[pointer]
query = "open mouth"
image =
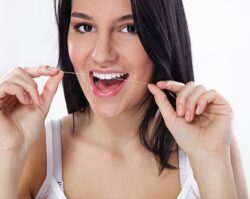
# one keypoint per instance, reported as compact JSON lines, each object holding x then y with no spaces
{"x":106,"y":83}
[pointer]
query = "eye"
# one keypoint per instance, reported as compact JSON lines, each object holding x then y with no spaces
{"x":130,"y":29}
{"x":83,"y":28}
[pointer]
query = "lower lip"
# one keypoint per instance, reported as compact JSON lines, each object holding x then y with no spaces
{"x":107,"y":94}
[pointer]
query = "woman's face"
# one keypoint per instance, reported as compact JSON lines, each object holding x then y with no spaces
{"x":102,"y":42}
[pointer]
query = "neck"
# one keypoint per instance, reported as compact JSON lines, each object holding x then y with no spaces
{"x":116,"y":133}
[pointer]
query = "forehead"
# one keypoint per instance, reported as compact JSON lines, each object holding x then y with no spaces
{"x":101,"y":7}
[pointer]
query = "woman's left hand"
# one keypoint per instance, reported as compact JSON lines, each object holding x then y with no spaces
{"x":202,"y":122}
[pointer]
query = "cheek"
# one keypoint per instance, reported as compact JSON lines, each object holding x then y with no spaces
{"x":77,"y":52}
{"x":142,"y":64}
{"x":73,"y":52}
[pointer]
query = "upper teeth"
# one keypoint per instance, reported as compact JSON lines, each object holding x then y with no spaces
{"x":108,"y":76}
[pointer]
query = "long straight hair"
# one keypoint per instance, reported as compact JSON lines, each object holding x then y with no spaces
{"x":162,"y":28}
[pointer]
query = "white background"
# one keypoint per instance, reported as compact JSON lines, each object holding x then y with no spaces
{"x":220,"y":33}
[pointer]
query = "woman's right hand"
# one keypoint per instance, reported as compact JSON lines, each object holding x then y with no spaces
{"x":22,"y":109}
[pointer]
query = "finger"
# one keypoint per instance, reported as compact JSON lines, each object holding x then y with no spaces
{"x":50,"y":89}
{"x":8,"y":88}
{"x":29,"y":85}
{"x":41,"y":70}
{"x":170,"y":85}
{"x":28,"y":98}
{"x":166,"y":109}
{"x":205,"y":99}
{"x":192,"y":102}
{"x":182,"y":98}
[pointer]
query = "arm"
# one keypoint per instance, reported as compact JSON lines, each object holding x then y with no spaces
{"x":238,"y":171}
{"x":12,"y":163}
{"x":22,"y":111}
{"x":223,"y":174}
{"x":202,"y":127}
{"x":214,"y":175}
{"x":34,"y":171}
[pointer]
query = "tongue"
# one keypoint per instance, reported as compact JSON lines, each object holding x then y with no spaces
{"x":108,"y":85}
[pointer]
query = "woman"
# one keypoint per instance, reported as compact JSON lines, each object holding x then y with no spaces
{"x":138,"y":126}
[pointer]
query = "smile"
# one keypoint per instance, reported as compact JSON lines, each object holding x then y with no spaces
{"x":107,"y":84}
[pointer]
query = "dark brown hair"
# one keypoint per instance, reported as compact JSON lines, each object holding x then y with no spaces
{"x":162,"y":28}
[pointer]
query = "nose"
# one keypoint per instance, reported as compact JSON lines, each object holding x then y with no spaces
{"x":103,"y":52}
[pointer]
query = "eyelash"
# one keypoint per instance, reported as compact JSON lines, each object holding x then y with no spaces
{"x":77,"y":26}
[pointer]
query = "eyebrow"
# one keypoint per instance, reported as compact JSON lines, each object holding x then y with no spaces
{"x":85,"y":16}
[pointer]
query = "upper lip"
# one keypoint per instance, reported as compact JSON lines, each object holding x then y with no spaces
{"x":106,"y":71}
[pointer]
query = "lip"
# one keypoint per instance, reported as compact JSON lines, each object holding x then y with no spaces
{"x":106,"y":71}
{"x":110,"y":93}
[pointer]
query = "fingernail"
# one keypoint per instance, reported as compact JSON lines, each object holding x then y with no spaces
{"x":188,"y":116}
{"x":151,"y":90}
{"x":168,"y":84}
{"x":52,"y":68}
{"x":198,"y":110}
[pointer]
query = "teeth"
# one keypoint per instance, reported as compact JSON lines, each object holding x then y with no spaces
{"x":108,"y":76}
{"x":102,"y":76}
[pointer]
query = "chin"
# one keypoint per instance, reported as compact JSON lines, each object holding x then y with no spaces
{"x":107,"y":112}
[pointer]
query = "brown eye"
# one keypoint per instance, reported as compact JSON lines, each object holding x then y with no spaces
{"x":83,"y":28}
{"x":130,"y":29}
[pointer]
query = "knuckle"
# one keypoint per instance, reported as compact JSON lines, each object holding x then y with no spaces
{"x":7,"y":84}
{"x":213,"y":91}
{"x":201,"y":87}
{"x":191,"y":83}
{"x":43,"y":68}
{"x":181,"y":84}
{"x":30,"y":87}
{"x":18,"y":69}
{"x":40,"y":69}
{"x":26,"y":68}
{"x":16,"y":75}
{"x":4,"y":85}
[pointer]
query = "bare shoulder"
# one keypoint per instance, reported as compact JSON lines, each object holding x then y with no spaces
{"x":238,"y":170}
{"x":35,"y":168}
{"x":66,"y":126}
{"x":34,"y":171}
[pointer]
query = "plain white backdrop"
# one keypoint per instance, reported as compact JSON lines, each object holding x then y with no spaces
{"x":220,"y":35}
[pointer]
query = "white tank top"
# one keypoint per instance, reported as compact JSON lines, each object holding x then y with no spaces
{"x":52,"y":187}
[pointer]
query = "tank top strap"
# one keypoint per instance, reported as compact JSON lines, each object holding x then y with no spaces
{"x":57,"y":154}
{"x":182,"y":166}
{"x":189,"y":186}
{"x":190,"y":173}
{"x":49,"y":147}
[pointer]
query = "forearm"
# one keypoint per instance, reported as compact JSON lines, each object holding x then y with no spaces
{"x":214,"y":176}
{"x":12,"y":163}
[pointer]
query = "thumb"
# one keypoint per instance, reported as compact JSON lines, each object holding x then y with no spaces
{"x":49,"y":91}
{"x":166,"y":109}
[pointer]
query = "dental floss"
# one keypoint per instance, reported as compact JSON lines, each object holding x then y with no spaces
{"x":137,"y":82}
